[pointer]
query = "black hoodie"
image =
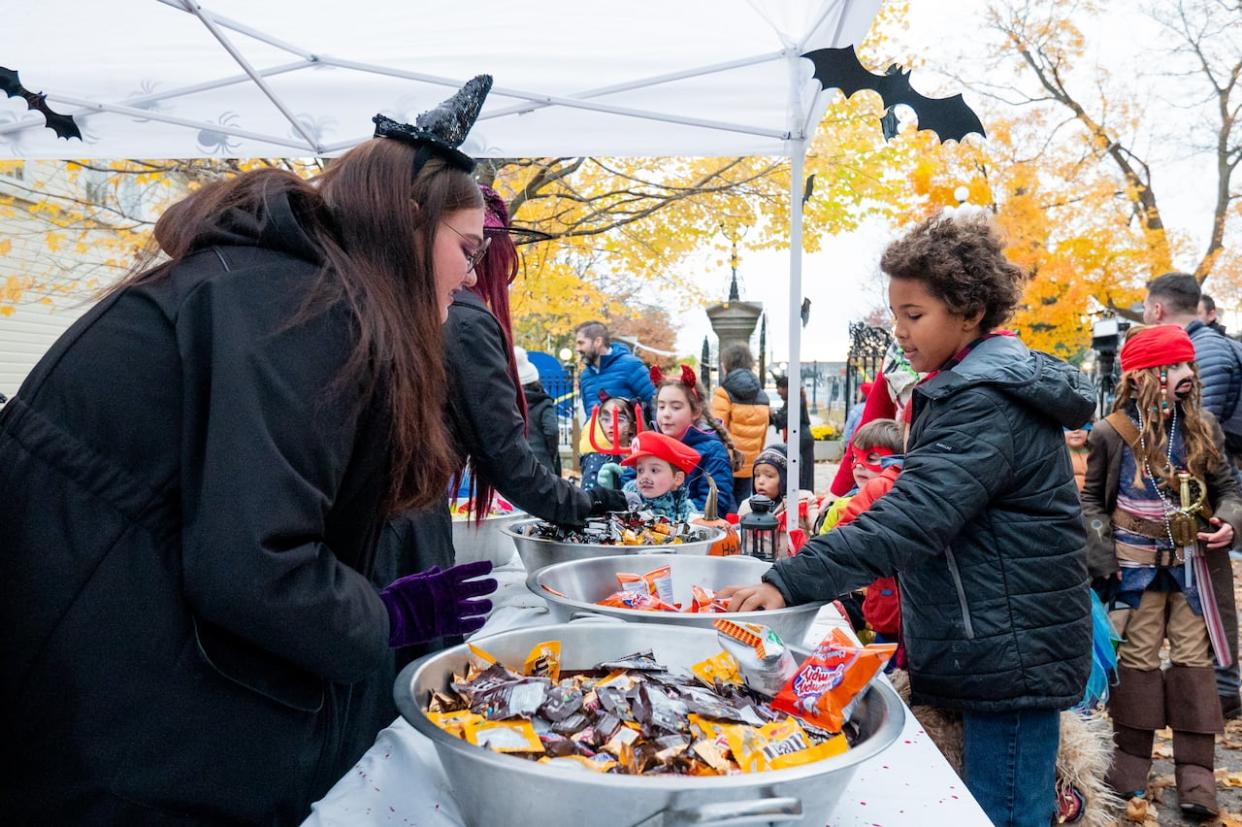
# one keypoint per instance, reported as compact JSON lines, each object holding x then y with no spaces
{"x":188,"y":523}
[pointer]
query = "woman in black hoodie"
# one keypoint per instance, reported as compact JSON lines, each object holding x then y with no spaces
{"x":192,"y":482}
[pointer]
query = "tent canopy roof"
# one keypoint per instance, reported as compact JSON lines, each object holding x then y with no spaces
{"x":236,"y":78}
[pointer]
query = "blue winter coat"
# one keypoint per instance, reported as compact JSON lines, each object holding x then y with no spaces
{"x":1219,"y":372}
{"x":621,"y":373}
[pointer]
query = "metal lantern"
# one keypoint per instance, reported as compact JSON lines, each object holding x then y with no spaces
{"x":759,"y":529}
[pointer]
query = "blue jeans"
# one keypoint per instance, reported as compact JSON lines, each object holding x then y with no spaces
{"x":1010,"y":763}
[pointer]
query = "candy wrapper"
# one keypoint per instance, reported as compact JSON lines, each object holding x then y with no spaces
{"x":705,"y":600}
{"x":544,"y":661}
{"x":660,"y":583}
{"x":629,"y":715}
{"x":764,"y":661}
{"x":639,"y":601}
{"x":504,"y":736}
{"x":825,"y":688}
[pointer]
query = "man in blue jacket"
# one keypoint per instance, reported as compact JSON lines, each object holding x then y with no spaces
{"x":1174,"y":299}
{"x":608,"y":366}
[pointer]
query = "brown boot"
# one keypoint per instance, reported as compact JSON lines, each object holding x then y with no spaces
{"x":1195,"y":717}
{"x":1136,"y":705}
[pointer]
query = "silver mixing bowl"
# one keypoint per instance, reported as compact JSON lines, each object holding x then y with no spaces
{"x":485,"y":540}
{"x":492,"y":788}
{"x":583,"y":582}
{"x":538,"y":552}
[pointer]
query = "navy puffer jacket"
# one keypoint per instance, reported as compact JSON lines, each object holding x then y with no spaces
{"x":1220,"y":373}
{"x":984,"y":531}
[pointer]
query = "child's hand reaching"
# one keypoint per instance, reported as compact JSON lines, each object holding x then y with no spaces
{"x":1221,"y":538}
{"x":752,"y":598}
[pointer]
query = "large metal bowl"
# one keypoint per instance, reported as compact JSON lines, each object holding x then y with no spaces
{"x":484,"y":540}
{"x":583,"y":582}
{"x":492,"y":788}
{"x":538,"y":552}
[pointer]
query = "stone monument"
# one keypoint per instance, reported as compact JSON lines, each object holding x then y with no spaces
{"x":733,"y":320}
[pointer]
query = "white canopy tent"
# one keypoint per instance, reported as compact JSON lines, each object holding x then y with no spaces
{"x":181,"y":79}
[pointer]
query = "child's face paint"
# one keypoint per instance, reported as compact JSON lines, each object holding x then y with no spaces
{"x":1180,"y":382}
{"x":868,"y":463}
{"x":656,"y":477}
{"x":768,"y":482}
{"x":673,"y":412}
{"x":929,"y":333}
{"x":616,"y":421}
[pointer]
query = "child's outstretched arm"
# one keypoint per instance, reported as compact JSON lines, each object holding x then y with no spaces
{"x":963,"y":458}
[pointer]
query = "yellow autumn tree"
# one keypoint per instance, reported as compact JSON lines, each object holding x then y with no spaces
{"x":1063,"y":173}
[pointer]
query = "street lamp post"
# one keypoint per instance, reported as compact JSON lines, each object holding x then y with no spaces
{"x":567,"y":356}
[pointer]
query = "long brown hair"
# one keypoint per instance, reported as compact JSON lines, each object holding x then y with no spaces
{"x":1142,"y":388}
{"x":374,"y":225}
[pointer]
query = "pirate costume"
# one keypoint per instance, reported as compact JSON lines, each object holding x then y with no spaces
{"x":1161,"y":583}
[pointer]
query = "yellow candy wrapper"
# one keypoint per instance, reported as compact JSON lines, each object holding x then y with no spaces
{"x":454,"y":723}
{"x":829,"y":748}
{"x":544,"y":661}
{"x":504,"y":736}
{"x":720,"y":668}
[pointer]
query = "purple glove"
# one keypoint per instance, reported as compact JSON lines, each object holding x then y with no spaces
{"x":436,"y":603}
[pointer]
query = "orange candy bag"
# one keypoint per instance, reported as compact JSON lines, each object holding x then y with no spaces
{"x":827,"y":683}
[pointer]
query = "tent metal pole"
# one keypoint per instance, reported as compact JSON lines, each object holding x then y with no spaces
{"x":205,"y":17}
{"x":143,"y":114}
{"x":554,"y":100}
{"x":167,"y":94}
{"x":823,"y":17}
{"x":643,"y":83}
{"x":794,"y":402}
{"x":242,"y":28}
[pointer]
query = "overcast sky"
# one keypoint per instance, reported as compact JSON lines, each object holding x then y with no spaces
{"x":840,"y":282}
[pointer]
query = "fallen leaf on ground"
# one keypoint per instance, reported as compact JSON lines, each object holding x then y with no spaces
{"x":1163,"y":751}
{"x":1230,"y":779}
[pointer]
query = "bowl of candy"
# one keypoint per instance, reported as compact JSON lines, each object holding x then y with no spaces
{"x":541,"y":544}
{"x":656,"y":588}
{"x":483,"y":539}
{"x":603,"y":723}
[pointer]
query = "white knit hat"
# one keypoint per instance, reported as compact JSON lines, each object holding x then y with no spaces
{"x":527,"y":372}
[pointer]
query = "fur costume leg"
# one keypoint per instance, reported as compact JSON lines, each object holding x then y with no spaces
{"x":1083,"y":759}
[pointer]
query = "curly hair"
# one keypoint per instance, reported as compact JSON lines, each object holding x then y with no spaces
{"x":960,"y":259}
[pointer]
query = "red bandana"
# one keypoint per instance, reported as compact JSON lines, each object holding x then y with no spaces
{"x":1154,"y":347}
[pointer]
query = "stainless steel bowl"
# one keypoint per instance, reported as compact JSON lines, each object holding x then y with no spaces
{"x":537,"y":552}
{"x":585,"y":581}
{"x":492,"y":788}
{"x":484,"y":540}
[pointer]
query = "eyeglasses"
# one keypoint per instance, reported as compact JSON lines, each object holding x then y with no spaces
{"x":472,"y":259}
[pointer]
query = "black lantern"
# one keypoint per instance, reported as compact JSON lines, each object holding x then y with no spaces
{"x":759,"y":529}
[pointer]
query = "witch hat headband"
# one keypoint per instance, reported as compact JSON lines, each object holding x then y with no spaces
{"x":440,"y":131}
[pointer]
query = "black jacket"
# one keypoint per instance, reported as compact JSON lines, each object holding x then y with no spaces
{"x":544,"y":431}
{"x":188,"y":518}
{"x":984,"y":530}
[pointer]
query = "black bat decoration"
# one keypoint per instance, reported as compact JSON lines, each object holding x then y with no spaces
{"x":950,"y":118}
{"x":62,"y":125}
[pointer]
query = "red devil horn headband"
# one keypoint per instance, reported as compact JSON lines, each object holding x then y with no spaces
{"x":657,"y":375}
